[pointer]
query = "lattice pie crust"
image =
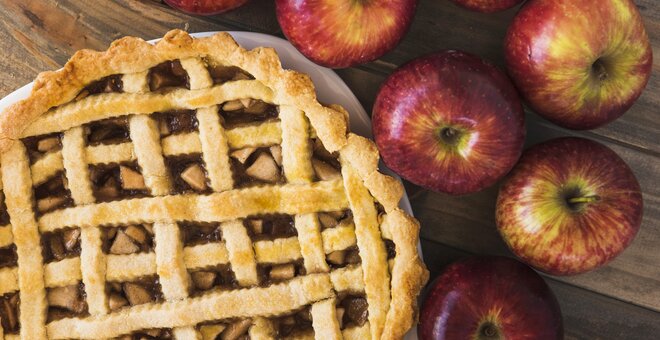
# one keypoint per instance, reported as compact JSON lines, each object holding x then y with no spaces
{"x":195,"y":190}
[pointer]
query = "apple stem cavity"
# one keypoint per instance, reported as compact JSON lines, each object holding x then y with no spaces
{"x":488,"y":331}
{"x":599,"y":69}
{"x":450,"y":135}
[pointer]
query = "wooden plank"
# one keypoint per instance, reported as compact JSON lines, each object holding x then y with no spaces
{"x":587,"y":315}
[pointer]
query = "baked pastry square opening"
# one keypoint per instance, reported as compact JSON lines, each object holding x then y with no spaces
{"x":132,"y":293}
{"x":126,"y":240}
{"x":167,"y":75}
{"x":66,"y":302}
{"x":111,"y":182}
{"x":60,"y":245}
{"x":9,"y":312}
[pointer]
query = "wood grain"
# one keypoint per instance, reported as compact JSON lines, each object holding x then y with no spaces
{"x":618,"y":301}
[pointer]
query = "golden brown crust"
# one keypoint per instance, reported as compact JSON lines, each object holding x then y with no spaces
{"x":132,"y":55}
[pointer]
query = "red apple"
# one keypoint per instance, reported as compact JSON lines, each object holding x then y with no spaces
{"x":343,"y":33}
{"x":570,"y":205}
{"x":579,"y":63}
{"x":450,"y":122}
{"x":205,"y":7}
{"x":490,"y":298}
{"x":487,"y":6}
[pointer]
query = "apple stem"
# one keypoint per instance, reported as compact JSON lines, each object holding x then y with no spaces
{"x":584,"y":199}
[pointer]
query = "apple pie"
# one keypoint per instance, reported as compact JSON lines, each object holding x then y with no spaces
{"x":192,"y":189}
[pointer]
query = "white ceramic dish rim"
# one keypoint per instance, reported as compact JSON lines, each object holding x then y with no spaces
{"x":330,"y":89}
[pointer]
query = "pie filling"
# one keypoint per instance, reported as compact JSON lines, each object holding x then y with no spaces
{"x":220,"y":277}
{"x":352,"y":311}
{"x":222,"y":74}
{"x":61,"y":244}
{"x":257,"y":166}
{"x":246,"y":111}
{"x":4,"y":216}
{"x":108,"y":131}
{"x":195,"y":233}
{"x":188,"y":174}
{"x":270,"y":227}
{"x":52,"y":195}
{"x":176,"y":121}
{"x":236,"y":329}
{"x":9,"y":305}
{"x":112,"y":182}
{"x":295,"y":323}
{"x":155,"y":333}
{"x":108,"y":84}
{"x":167,"y":75}
{"x":8,"y":257}
{"x":143,"y":290}
{"x":39,"y":146}
{"x":66,"y":302}
{"x":128,"y":240}
{"x":270,"y":274}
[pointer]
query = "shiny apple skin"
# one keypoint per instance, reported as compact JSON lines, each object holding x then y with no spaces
{"x":540,"y":228}
{"x":205,"y":7}
{"x":344,"y":33}
{"x":449,"y":89}
{"x":487,"y":6}
{"x":551,"y":46}
{"x":493,"y":289}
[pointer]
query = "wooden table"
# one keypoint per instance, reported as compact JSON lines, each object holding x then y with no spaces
{"x":619,"y":301}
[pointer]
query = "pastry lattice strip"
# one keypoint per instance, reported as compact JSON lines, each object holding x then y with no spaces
{"x":303,"y":199}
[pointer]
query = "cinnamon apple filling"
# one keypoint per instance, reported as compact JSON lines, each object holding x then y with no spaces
{"x":66,"y":302}
{"x":108,"y":131}
{"x":167,"y":75}
{"x":325,"y":164}
{"x":108,"y":84}
{"x":270,"y":227}
{"x":39,"y":146}
{"x":9,"y":309}
{"x":128,"y":240}
{"x":52,"y":195}
{"x":220,"y":277}
{"x":195,"y":233}
{"x":114,"y":182}
{"x":236,"y":329}
{"x":138,"y":292}
{"x":270,"y":274}
{"x":343,"y":258}
{"x":390,"y":248}
{"x":145,"y":334}
{"x":8,"y":257}
{"x":352,"y":311}
{"x":246,"y":111}
{"x":176,"y":121}
{"x":331,"y":219}
{"x":188,"y":173}
{"x":257,"y":166}
{"x":297,"y":324}
{"x":59,"y":245}
{"x":222,"y":74}
{"x":4,"y":216}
